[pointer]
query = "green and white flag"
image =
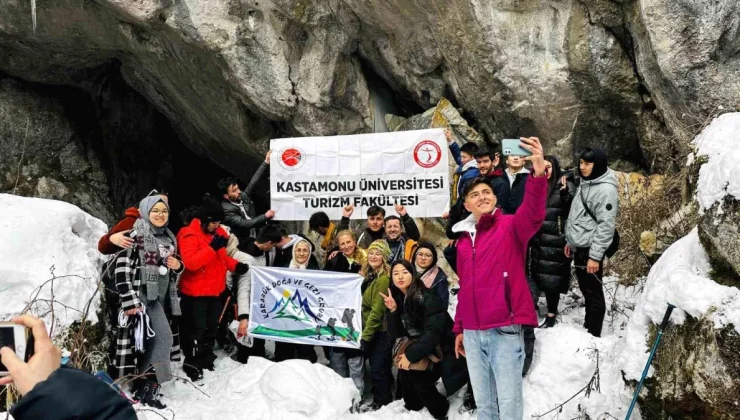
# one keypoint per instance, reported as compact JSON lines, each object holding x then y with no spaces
{"x":306,"y":307}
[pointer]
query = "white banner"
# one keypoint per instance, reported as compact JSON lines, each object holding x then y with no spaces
{"x":310,"y":174}
{"x":306,"y":307}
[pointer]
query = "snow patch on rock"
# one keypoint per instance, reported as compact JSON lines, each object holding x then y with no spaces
{"x":720,"y":176}
{"x":680,"y":277}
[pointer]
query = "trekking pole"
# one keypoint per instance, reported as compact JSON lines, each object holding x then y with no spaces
{"x":223,"y":311}
{"x":662,"y":328}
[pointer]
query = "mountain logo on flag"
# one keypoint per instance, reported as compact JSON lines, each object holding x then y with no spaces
{"x":293,"y":306}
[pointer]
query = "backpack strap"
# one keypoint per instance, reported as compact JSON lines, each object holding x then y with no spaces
{"x":585,"y":207}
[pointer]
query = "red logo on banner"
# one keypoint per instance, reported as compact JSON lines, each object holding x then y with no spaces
{"x":292,"y":158}
{"x":427,"y":154}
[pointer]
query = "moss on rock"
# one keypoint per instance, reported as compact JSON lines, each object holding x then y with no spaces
{"x":697,"y":373}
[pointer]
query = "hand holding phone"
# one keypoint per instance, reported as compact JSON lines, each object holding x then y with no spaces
{"x":12,"y":336}
{"x":513,"y":147}
{"x":33,"y":367}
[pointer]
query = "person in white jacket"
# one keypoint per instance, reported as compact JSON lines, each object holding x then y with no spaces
{"x":254,"y":256}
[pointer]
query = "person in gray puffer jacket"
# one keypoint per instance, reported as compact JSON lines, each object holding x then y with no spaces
{"x":589,"y":237}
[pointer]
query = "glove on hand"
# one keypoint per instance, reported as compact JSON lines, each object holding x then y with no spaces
{"x":241,"y":269}
{"x":218,"y":242}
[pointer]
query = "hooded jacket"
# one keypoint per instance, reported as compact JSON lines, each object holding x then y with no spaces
{"x":105,"y":246}
{"x":602,"y":197}
{"x":205,"y":269}
{"x":491,"y":257}
{"x":464,"y":173}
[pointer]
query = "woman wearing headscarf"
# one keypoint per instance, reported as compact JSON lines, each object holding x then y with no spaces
{"x":548,"y":264}
{"x":348,"y":363}
{"x":420,"y":327}
{"x":146,"y":278}
{"x":434,"y":278}
{"x":375,"y":342}
{"x":301,"y":260}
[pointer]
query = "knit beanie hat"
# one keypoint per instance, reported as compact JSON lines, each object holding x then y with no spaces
{"x":382,"y":246}
{"x":211,"y":211}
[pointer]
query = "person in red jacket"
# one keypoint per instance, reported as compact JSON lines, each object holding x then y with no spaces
{"x":203,"y":251}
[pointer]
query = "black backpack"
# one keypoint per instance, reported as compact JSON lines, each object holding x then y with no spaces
{"x":614,"y":246}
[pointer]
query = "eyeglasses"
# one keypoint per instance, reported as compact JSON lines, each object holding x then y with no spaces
{"x":424,"y":255}
{"x":160,"y":212}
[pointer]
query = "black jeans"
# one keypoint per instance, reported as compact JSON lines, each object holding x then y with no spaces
{"x":288,"y":351}
{"x":420,"y":390}
{"x":199,"y":327}
{"x":381,"y":361}
{"x":593,"y":291}
{"x":529,"y":337}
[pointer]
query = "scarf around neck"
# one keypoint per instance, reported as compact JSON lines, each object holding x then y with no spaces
{"x":428,"y":275}
{"x":153,"y":251}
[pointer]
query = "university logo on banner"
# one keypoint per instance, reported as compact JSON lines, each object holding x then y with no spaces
{"x":381,"y":169}
{"x":306,"y":307}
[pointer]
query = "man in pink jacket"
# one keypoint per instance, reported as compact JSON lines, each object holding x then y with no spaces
{"x":494,"y":299}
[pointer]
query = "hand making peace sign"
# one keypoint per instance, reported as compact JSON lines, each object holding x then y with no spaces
{"x":390,"y":303}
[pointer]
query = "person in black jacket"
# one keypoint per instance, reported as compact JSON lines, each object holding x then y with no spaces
{"x":548,"y":264}
{"x":52,"y":392}
{"x":517,"y":176}
{"x":417,"y":314}
{"x":239,"y":212}
{"x":434,"y":278}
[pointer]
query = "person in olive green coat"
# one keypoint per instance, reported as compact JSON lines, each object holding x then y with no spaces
{"x":375,"y":341}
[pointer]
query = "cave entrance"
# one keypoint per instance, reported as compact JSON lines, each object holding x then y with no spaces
{"x":109,"y":127}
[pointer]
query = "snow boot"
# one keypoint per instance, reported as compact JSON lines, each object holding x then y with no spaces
{"x":148,"y":394}
{"x":192,"y":368}
{"x":207,"y":362}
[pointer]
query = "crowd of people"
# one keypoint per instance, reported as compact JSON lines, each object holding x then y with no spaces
{"x":513,"y":232}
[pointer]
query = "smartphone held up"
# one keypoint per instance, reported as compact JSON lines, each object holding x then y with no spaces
{"x":513,"y":147}
{"x":19,"y":339}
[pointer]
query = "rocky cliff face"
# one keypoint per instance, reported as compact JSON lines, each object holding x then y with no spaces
{"x":229,"y":74}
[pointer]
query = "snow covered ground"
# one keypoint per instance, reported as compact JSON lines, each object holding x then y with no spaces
{"x":37,"y":236}
{"x":564,"y":363}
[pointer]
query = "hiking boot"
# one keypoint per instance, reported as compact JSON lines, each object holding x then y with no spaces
{"x":193,"y":370}
{"x":148,"y":394}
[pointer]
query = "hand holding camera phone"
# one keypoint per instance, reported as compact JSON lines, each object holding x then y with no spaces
{"x":16,"y":337}
{"x":39,"y":359}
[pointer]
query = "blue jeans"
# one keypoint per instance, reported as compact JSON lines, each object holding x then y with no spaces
{"x":495,"y":360}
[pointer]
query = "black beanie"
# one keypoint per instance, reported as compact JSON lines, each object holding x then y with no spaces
{"x":211,"y":211}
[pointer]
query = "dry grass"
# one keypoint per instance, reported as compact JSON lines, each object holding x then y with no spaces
{"x":659,"y":203}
